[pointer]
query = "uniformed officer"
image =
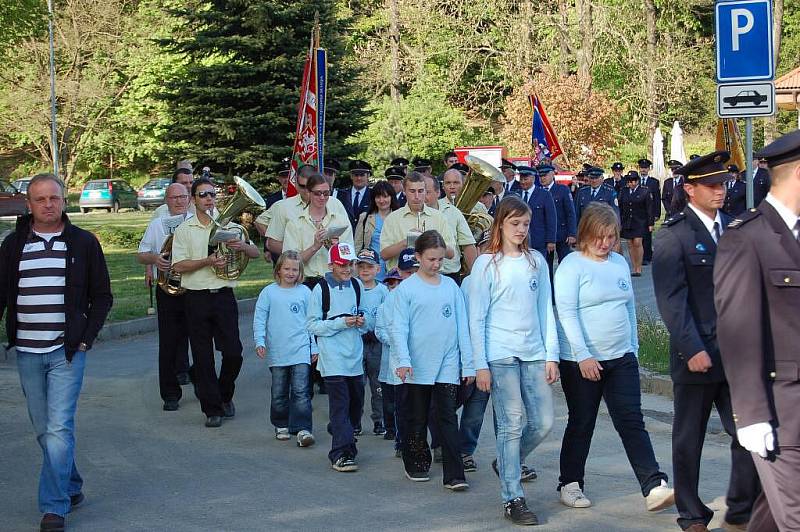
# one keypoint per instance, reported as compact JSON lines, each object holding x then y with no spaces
{"x":761,"y":181}
{"x":330,"y":169}
{"x":395,"y":175}
{"x":757,"y":296}
{"x":566,"y":224}
{"x":668,"y":190}
{"x":356,"y":198}
{"x":735,"y":193}
{"x":596,"y":190}
{"x":542,"y":229}
{"x":616,"y":181}
{"x":651,"y":184}
{"x":683,"y":262}
{"x":636,"y":214}
{"x":511,"y":185}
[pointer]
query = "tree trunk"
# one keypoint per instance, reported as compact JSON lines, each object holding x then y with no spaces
{"x":585,"y":53}
{"x":650,"y":72}
{"x":394,"y":44}
{"x":771,"y":122}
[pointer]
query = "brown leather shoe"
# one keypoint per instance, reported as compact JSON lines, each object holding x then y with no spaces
{"x":51,"y":523}
{"x":697,"y":527}
{"x":734,"y":527}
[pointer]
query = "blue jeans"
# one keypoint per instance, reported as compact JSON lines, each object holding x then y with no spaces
{"x":51,"y":386}
{"x":345,"y":405}
{"x":619,"y":387}
{"x":474,"y":404}
{"x":291,"y":398}
{"x":523,"y":405}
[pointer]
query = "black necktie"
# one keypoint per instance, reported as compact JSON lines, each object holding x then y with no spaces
{"x":716,"y":232}
{"x":525,"y":197}
{"x":594,"y":193}
{"x":356,"y":200}
{"x":508,"y":186}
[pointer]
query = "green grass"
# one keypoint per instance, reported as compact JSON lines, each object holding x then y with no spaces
{"x":653,"y":343}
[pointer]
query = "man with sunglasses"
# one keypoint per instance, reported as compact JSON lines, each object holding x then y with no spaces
{"x":211,"y":309}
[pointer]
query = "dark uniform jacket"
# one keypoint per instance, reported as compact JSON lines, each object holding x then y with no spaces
{"x":616,"y":185}
{"x":667,"y":193}
{"x":761,"y":184}
{"x":401,"y":200}
{"x":757,"y":296}
{"x":605,"y":194}
{"x":735,"y":199}
{"x":515,"y":187}
{"x":683,"y":270}
{"x":636,"y":211}
{"x":565,"y":212}
{"x":273,"y":198}
{"x":652,"y":184}
{"x":345,"y":195}
{"x":542,"y":229}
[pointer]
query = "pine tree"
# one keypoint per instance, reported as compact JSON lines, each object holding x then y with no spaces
{"x":236,"y":105}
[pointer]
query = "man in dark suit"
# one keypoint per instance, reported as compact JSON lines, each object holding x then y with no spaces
{"x":652,"y":184}
{"x":617,"y":180}
{"x":394,"y":175}
{"x":511,"y":185}
{"x":356,"y":198}
{"x":542,"y":230}
{"x":735,"y":193}
{"x":683,"y":263}
{"x":761,"y":181}
{"x":757,"y":296}
{"x":596,"y":190}
{"x":668,"y":190}
{"x":566,"y":225}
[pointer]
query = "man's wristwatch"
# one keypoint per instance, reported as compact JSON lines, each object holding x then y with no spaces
{"x":83,"y":347}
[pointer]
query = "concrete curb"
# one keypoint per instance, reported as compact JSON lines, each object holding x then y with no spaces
{"x":655,"y":383}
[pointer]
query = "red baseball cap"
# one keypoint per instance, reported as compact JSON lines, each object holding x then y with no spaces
{"x":341,"y":254}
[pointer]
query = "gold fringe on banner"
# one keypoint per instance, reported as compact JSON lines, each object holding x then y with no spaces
{"x":730,"y":140}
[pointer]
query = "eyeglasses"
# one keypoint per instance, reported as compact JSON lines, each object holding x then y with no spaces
{"x":182,"y":196}
{"x":321,"y":193}
{"x":206,"y":193}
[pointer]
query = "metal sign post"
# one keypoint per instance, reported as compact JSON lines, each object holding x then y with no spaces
{"x":748,"y":153}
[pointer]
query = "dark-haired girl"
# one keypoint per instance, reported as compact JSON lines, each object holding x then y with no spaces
{"x":431,"y":354}
{"x":370,"y":223}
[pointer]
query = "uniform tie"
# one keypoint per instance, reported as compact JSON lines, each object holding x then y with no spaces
{"x":594,"y":193}
{"x":525,"y":197}
{"x":357,"y":199}
{"x":716,"y":232}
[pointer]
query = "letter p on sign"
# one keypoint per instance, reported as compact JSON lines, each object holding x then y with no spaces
{"x":737,"y":30}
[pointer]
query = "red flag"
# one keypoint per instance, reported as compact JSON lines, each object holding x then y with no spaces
{"x":309,"y":135}
{"x":543,"y":136}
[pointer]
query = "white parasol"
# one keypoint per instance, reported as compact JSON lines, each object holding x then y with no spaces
{"x":676,"y":151}
{"x":658,"y":171}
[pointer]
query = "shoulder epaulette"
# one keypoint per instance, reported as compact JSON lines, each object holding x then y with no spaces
{"x":750,"y":214}
{"x":675,"y":218}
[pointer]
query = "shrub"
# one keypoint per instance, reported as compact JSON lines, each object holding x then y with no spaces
{"x":653,"y":343}
{"x":119,"y":237}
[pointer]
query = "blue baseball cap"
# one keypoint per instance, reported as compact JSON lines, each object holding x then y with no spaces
{"x":407,"y":260}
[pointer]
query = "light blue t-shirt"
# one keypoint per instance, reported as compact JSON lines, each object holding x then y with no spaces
{"x":382,"y":332}
{"x":340,"y":346}
{"x":375,"y":244}
{"x":279,"y":324}
{"x":429,"y":331}
{"x":510,"y":309}
{"x":372,"y":299}
{"x":596,"y":307}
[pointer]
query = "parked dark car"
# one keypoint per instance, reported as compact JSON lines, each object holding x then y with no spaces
{"x":109,"y":194}
{"x":153,"y":193}
{"x":12,"y":201}
{"x":753,"y":97}
{"x":22,"y":184}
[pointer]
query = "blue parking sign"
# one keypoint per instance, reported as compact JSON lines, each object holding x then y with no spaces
{"x":744,"y":40}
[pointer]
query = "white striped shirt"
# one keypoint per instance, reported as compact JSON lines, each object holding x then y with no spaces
{"x":40,"y":301}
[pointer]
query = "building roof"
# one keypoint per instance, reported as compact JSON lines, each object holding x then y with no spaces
{"x":789,"y":81}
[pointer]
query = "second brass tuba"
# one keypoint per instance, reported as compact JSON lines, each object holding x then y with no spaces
{"x":170,"y":281}
{"x":480,"y":177}
{"x":235,"y":261}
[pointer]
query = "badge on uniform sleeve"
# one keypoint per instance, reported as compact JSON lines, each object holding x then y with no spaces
{"x":699,"y":247}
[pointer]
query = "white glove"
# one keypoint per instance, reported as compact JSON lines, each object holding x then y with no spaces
{"x":757,"y":438}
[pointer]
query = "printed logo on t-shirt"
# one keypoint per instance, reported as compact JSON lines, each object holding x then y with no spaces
{"x":294,"y":308}
{"x":623,"y":284}
{"x":447,"y":311}
{"x":354,"y":310}
{"x":533,"y":284}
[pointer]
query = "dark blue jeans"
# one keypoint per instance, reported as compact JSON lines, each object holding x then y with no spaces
{"x":619,"y":387}
{"x":474,"y":404}
{"x":291,"y":400}
{"x":345,"y":404}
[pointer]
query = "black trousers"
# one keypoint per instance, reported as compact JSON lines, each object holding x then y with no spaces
{"x":562,"y":250}
{"x":173,"y":343}
{"x":214,"y":316}
{"x":416,"y":453}
{"x":693,"y":403}
{"x":454,"y":276}
{"x":778,"y":506}
{"x":647,"y":243}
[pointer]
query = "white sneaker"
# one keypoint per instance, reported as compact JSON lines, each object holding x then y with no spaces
{"x":660,"y":497}
{"x":572,"y":496}
{"x":282,"y":434}
{"x":305,"y":438}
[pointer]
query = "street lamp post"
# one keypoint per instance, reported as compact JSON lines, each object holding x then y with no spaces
{"x":53,"y":131}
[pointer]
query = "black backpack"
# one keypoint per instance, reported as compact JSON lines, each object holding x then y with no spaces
{"x":326,"y":297}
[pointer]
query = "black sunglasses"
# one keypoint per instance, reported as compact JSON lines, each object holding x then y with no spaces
{"x":206,"y":193}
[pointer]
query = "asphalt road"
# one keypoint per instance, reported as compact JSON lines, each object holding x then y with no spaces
{"x":146,"y":469}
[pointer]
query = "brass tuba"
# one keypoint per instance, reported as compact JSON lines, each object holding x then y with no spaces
{"x":170,"y":281}
{"x":235,"y":261}
{"x":480,"y":177}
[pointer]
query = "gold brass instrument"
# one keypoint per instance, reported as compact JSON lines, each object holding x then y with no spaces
{"x":170,"y":281}
{"x":477,"y":181}
{"x":235,"y":261}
